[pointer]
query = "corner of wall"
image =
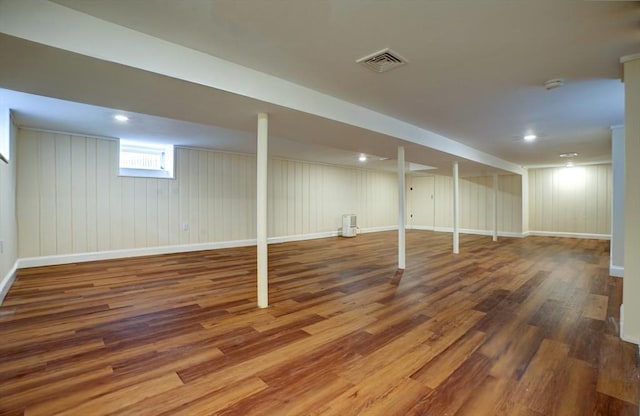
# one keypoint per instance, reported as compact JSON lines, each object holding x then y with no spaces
{"x":634,"y":339}
{"x":8,"y":222}
{"x":616,"y":271}
{"x":7,"y":281}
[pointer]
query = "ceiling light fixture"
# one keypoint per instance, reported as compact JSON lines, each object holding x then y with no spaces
{"x":362,"y":158}
{"x":553,"y":83}
{"x":530,"y":137}
{"x":568,"y":155}
{"x":121,"y":117}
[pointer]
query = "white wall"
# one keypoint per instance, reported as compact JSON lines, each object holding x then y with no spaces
{"x":8,"y":224}
{"x":70,"y":199}
{"x":476,"y":203}
{"x":616,"y":267}
{"x":571,"y":201}
{"x":307,"y":198}
{"x":630,"y":314}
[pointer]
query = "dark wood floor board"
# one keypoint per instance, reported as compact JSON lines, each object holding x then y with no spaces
{"x":454,"y":391}
{"x":515,"y":327}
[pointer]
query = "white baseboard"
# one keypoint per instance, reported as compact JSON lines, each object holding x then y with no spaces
{"x":633,"y":340}
{"x":616,"y":271}
{"x":120,"y":254}
{"x":479,"y":232}
{"x":571,"y":235}
{"x":420,"y":227}
{"x":377,"y":229}
{"x":326,"y":234}
{"x":7,"y":281}
{"x":300,"y":237}
{"x":151,"y":251}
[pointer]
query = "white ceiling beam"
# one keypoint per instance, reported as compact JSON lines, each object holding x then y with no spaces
{"x":60,"y":27}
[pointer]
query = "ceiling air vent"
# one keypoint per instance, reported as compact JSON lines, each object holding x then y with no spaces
{"x":382,"y":61}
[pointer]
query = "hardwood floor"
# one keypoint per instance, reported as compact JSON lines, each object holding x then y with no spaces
{"x":519,"y":327}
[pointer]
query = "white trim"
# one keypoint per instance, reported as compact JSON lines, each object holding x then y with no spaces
{"x":616,"y":271}
{"x":629,"y":58}
{"x":564,"y":165}
{"x":7,"y":281}
{"x":571,"y":235}
{"x":479,"y":232}
{"x":300,"y":237}
{"x":120,"y":254}
{"x":622,"y":336}
{"x":421,"y":227}
{"x":152,"y":251}
{"x":377,"y":229}
{"x":327,"y":234}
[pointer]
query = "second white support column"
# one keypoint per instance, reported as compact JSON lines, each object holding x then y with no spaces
{"x":401,"y":209}
{"x":495,"y":207}
{"x":456,"y":210}
{"x":261,"y":205}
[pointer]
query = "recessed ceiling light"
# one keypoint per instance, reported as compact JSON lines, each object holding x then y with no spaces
{"x":530,"y":137}
{"x":362,"y":158}
{"x":568,"y":155}
{"x":121,"y":117}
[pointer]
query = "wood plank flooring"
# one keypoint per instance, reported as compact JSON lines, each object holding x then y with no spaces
{"x":518,"y":327}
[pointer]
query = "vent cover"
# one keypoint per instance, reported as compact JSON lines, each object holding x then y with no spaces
{"x":382,"y":61}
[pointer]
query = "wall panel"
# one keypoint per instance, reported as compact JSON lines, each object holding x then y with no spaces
{"x":571,"y":200}
{"x":8,"y":185}
{"x":476,"y":203}
{"x":71,"y":200}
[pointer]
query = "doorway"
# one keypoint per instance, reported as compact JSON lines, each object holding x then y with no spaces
{"x":422,"y":203}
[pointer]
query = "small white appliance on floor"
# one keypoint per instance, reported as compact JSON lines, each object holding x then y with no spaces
{"x":349,"y":225}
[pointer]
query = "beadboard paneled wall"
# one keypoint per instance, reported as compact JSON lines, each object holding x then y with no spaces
{"x":70,"y":199}
{"x":476,"y":203}
{"x":571,"y":200}
{"x":8,"y":225}
{"x":306,"y":198}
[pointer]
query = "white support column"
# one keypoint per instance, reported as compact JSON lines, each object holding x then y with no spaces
{"x":525,"y":202}
{"x":495,"y":207}
{"x":261,"y":204}
{"x":616,"y":254}
{"x":401,"y":209}
{"x":630,"y":315}
{"x":456,"y":210}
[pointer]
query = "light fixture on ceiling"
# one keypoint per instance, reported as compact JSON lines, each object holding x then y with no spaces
{"x":530,"y":137}
{"x":362,"y":157}
{"x":553,"y":83}
{"x":121,"y":117}
{"x":569,"y":158}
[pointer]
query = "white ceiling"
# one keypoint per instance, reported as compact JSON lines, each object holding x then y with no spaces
{"x":475,"y":74}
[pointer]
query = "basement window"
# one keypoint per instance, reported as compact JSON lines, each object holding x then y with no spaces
{"x":146,"y":160}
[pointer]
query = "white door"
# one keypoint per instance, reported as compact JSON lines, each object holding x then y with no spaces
{"x":422,"y":207}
